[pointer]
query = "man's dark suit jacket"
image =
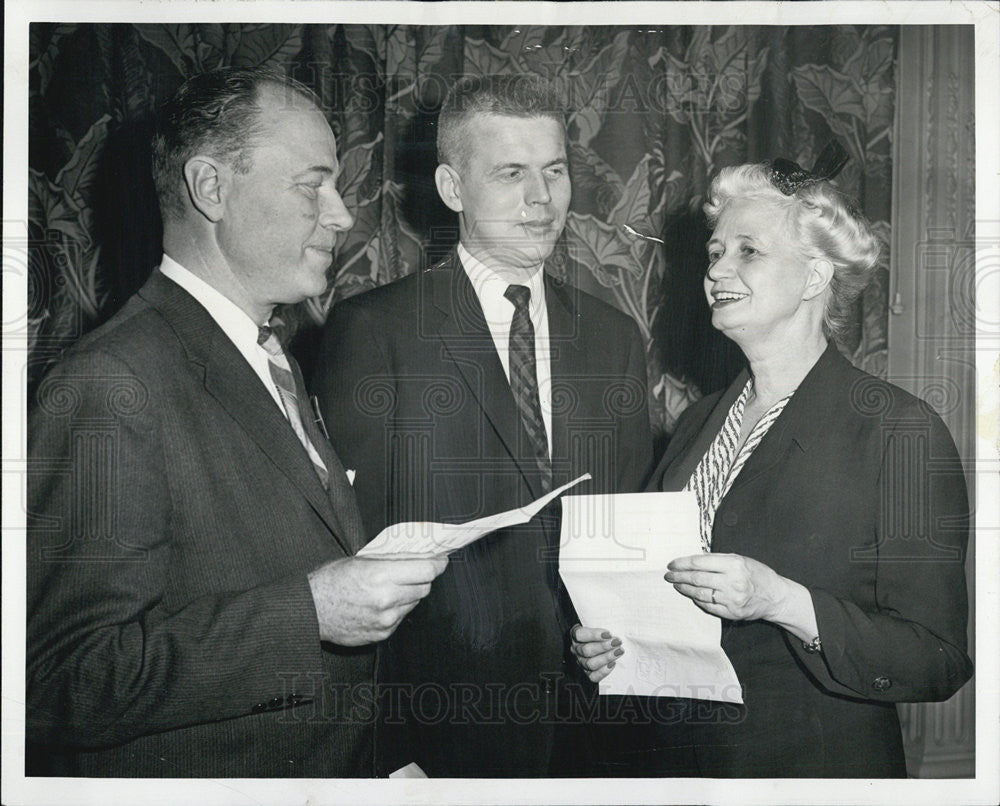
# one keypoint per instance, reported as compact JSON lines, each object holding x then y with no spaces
{"x":173,"y":518}
{"x":417,"y":402}
{"x":856,"y":492}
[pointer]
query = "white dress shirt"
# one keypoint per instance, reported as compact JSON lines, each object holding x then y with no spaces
{"x":499,"y":313}
{"x":234,"y":321}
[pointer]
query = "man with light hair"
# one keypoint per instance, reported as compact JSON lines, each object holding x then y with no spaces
{"x":474,"y":387}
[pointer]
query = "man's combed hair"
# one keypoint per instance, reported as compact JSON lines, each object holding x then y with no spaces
{"x":216,"y":114}
{"x":521,"y":96}
{"x":826,"y":223}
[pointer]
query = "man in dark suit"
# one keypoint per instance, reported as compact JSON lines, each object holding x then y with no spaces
{"x":475,"y":387}
{"x":194,"y":605}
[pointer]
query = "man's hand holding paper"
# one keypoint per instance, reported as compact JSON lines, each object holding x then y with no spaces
{"x":360,"y":600}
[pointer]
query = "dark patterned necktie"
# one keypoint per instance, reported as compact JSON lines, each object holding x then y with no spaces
{"x":524,"y":380}
{"x":281,"y":374}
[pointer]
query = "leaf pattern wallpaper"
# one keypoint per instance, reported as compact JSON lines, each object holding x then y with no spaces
{"x":653,"y":113}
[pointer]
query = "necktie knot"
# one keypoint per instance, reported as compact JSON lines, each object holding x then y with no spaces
{"x":519,"y":295}
{"x":267,"y":339}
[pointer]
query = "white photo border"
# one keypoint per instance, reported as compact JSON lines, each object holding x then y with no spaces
{"x":984,"y":788}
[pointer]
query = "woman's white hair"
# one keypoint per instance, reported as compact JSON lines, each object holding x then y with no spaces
{"x":827,"y":224}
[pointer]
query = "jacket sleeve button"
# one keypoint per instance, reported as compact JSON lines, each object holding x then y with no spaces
{"x":881,"y":683}
{"x":259,"y":708}
{"x":275,"y":702}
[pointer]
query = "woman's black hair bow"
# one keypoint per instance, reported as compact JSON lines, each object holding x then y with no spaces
{"x":788,"y":176}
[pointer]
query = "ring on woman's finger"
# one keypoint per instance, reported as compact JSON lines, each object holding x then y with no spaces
{"x":713,"y":596}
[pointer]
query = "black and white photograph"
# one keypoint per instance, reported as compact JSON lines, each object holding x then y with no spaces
{"x":501,"y":402}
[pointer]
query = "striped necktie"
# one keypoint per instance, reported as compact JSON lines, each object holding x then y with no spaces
{"x":524,"y":380}
{"x":281,"y":374}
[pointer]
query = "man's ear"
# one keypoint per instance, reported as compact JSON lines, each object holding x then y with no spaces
{"x":820,"y":276}
{"x":207,"y":181}
{"x":449,"y":186}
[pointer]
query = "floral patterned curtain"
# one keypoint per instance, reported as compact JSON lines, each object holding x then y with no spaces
{"x":654,"y":113}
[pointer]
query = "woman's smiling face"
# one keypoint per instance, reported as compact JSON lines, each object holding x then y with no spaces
{"x":757,"y":273}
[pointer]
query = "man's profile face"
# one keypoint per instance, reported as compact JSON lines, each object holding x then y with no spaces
{"x":282,"y":216}
{"x":514,"y":189}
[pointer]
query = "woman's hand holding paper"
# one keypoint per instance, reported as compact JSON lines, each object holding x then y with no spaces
{"x":740,"y":588}
{"x":596,"y":650}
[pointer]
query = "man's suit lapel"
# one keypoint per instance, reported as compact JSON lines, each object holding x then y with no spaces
{"x":345,"y":504}
{"x":455,"y":315}
{"x":238,"y":390}
{"x":569,"y":372}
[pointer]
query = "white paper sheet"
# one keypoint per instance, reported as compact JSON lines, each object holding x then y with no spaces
{"x":614,"y":551}
{"x":419,"y":537}
{"x":411,"y":770}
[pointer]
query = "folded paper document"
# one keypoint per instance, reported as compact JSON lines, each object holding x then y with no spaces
{"x":444,"y":538}
{"x":613,"y":553}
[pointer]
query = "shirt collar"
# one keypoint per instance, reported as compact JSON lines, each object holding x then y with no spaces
{"x":487,"y":282}
{"x":234,"y":321}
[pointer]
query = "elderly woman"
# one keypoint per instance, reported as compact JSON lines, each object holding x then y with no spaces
{"x":834,"y":513}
